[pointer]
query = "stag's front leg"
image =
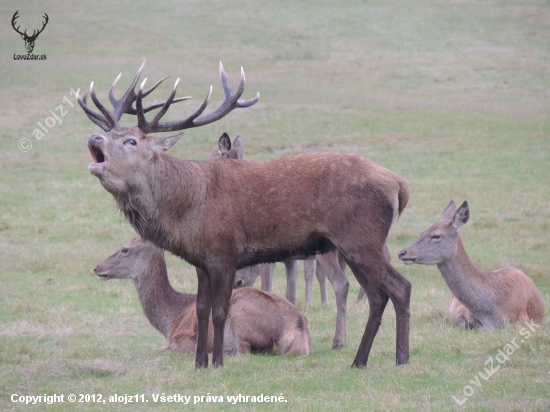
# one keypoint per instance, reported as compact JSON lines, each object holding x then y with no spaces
{"x":221,"y":278}
{"x":204,"y":305}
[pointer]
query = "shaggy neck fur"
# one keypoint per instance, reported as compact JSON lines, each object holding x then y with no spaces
{"x":153,"y":202}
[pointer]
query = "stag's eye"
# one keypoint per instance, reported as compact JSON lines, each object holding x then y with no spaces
{"x":131,"y":141}
{"x":124,"y":251}
{"x":436,"y":237}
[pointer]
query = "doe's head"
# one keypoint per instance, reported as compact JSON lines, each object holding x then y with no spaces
{"x":439,"y":242}
{"x":130,"y":261}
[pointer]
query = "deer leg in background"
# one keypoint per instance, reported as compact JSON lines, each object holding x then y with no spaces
{"x":204,"y":306}
{"x":309,"y":268}
{"x":322,"y":279}
{"x":291,"y":266}
{"x":221,"y":279}
{"x":266,"y":275}
{"x":331,"y":268}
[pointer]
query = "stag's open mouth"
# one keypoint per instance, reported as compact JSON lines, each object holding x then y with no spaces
{"x":97,"y":155}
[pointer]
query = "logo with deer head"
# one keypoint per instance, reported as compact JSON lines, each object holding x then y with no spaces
{"x":29,"y":40}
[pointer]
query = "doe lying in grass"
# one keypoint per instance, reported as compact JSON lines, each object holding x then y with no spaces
{"x":257,"y":321}
{"x":493,"y":298}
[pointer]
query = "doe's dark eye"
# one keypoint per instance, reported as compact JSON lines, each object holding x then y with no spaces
{"x":436,"y":237}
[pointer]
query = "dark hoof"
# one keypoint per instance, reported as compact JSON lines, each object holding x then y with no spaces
{"x":201,"y":365}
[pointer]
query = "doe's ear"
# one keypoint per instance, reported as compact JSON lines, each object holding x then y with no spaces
{"x":224,"y":143}
{"x":449,"y":211}
{"x":461,"y":216}
{"x":238,"y":148}
{"x":163,"y":143}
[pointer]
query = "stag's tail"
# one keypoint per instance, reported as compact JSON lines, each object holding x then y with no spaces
{"x":403,"y":195}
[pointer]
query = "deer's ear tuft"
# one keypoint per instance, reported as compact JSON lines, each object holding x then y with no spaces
{"x":461,"y":216}
{"x":163,"y":143}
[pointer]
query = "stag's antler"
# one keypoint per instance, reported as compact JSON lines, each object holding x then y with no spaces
{"x":108,"y":121}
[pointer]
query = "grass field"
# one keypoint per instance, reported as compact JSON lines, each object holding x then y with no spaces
{"x":452,"y":96}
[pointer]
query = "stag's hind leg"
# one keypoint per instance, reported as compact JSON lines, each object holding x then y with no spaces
{"x":380,"y":282}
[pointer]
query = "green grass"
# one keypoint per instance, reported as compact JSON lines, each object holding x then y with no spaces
{"x":453,"y":96}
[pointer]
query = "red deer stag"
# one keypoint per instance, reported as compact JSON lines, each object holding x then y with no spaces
{"x":300,"y":205}
{"x":491,"y":299}
{"x":257,"y":321}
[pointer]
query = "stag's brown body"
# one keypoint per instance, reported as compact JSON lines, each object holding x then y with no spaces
{"x":194,"y":209}
{"x":224,"y":215}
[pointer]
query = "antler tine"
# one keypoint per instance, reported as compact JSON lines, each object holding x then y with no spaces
{"x":165,"y":107}
{"x":156,"y":105}
{"x":124,"y":104}
{"x":108,"y":116}
{"x":232,"y":101}
{"x":96,"y":118}
{"x":142,"y":121}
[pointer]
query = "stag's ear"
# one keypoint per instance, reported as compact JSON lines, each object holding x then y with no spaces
{"x":224,"y":143}
{"x":163,"y":143}
{"x":238,"y":148}
{"x":449,"y":211}
{"x":461,"y":216}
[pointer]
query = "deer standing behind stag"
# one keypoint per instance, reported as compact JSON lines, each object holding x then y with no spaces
{"x":194,"y":209}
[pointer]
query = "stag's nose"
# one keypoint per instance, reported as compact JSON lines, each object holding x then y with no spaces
{"x":95,"y":269}
{"x":95,"y":139}
{"x":402,"y":254}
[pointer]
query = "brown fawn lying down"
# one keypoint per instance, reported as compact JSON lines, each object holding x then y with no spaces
{"x":257,"y":321}
{"x":488,"y":299}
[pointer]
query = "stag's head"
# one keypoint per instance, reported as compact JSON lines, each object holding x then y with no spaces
{"x":29,"y":40}
{"x":440,"y":241}
{"x":120,"y":152}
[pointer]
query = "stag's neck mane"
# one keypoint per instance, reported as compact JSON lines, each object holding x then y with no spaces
{"x":170,"y":190}
{"x":160,"y":302}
